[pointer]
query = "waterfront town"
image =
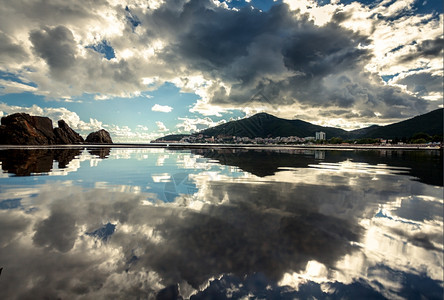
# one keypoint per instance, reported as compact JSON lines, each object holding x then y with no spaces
{"x":319,"y":138}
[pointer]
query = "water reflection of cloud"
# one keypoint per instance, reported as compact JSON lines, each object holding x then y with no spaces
{"x":273,"y":229}
{"x":192,"y":161}
{"x":72,"y":166}
{"x":161,"y":159}
{"x":307,"y":229}
{"x":164,"y":177}
{"x":120,"y":188}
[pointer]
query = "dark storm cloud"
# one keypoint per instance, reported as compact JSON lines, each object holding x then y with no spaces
{"x":52,"y":13}
{"x":280,"y":54}
{"x":218,"y":40}
{"x":56,"y":46}
{"x":10,"y":51}
{"x":319,"y":51}
{"x":426,"y":49}
{"x":399,"y":102}
{"x":421,"y":83}
{"x":340,"y":16}
{"x":219,"y":36}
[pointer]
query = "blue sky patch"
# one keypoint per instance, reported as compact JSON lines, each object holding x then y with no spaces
{"x":12,"y":77}
{"x":104,"y":48}
{"x":263,"y":5}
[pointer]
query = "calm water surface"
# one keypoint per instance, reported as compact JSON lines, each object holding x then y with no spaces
{"x":203,"y":224}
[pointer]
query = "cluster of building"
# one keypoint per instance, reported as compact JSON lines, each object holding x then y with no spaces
{"x":229,"y":139}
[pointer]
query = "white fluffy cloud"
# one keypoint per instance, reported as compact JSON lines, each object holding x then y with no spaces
{"x":161,"y":108}
{"x":55,"y":114}
{"x":161,"y":127}
{"x":124,"y":134}
{"x":196,"y":124}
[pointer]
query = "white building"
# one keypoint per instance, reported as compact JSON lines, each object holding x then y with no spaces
{"x":320,"y":135}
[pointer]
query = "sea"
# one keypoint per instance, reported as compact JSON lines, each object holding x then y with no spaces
{"x":220,"y":223}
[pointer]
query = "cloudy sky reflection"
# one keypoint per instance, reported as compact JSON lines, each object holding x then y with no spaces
{"x":349,"y":229}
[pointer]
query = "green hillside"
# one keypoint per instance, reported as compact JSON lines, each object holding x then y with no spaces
{"x":173,"y":137}
{"x":430,"y":123}
{"x":265,"y":125}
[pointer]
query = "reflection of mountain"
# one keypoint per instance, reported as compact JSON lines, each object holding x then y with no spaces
{"x":24,"y":162}
{"x":426,"y":166}
{"x":261,"y":162}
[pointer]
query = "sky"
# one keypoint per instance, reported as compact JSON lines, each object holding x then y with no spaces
{"x":142,"y":69}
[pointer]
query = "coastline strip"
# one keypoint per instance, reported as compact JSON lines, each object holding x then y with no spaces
{"x":228,"y":146}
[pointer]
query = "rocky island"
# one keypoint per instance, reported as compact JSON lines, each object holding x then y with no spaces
{"x":24,"y":129}
{"x":99,"y":137}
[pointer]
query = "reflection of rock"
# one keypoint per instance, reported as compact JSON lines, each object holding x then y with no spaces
{"x":24,"y":162}
{"x":100,"y":152}
{"x":23,"y":129}
{"x":99,"y":137}
{"x":65,"y":156}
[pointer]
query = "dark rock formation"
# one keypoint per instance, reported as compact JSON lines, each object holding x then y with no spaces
{"x":23,"y":129}
{"x":99,"y":137}
{"x":65,"y":134}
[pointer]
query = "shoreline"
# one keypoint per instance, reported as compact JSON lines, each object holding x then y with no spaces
{"x":228,"y":146}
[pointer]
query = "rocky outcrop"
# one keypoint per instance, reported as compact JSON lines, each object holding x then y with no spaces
{"x":23,"y":129}
{"x":65,"y":134}
{"x":99,"y":137}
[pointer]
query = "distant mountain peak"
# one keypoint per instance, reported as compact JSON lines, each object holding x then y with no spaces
{"x":262,"y":115}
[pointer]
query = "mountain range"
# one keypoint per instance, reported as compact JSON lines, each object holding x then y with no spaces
{"x":265,"y":125}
